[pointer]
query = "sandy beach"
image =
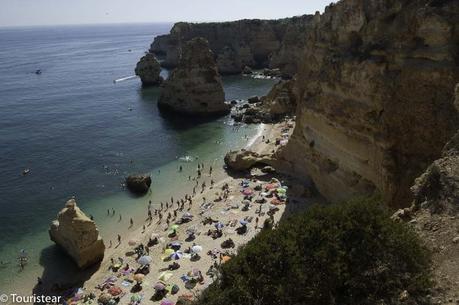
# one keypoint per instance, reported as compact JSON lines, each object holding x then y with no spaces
{"x":222,"y":203}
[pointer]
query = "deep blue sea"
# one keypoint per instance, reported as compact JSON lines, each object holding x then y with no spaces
{"x":80,"y":134}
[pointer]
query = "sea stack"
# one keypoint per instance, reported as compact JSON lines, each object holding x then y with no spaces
{"x":78,"y":235}
{"x":195,"y":87}
{"x":148,"y":69}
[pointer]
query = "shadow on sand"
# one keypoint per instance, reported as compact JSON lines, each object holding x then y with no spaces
{"x":60,"y":275}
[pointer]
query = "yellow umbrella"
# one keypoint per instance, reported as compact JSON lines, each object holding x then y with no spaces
{"x":165,"y":276}
{"x":167,"y":253}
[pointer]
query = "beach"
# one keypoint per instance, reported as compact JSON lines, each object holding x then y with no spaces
{"x":219,"y":207}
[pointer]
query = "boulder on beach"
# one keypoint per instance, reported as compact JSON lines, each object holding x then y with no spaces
{"x":241,"y":160}
{"x":138,"y":184}
{"x":78,"y":235}
{"x":195,"y":87}
{"x":149,"y":69}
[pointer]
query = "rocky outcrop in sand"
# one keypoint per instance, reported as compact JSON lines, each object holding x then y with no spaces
{"x":77,"y":235}
{"x":195,"y":87}
{"x":375,"y":96}
{"x":138,"y":184}
{"x":253,"y":43}
{"x":149,"y":69}
{"x":242,"y":160}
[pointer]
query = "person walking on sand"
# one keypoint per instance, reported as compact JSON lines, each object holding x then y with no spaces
{"x":210,"y":170}
{"x":256,"y":223}
{"x":110,"y":244}
{"x":108,"y":212}
{"x":119,"y":220}
{"x":119,"y":239}
{"x":113,"y":212}
{"x":131,"y":223}
{"x":180,"y":169}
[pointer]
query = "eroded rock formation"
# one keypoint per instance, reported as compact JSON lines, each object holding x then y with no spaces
{"x":195,"y":87}
{"x":277,"y":104}
{"x":149,"y":69}
{"x":375,"y":96}
{"x":138,"y":184}
{"x":242,"y":160}
{"x":77,"y":235}
{"x":253,"y":43}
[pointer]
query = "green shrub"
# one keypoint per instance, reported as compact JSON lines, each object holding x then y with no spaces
{"x":350,"y":253}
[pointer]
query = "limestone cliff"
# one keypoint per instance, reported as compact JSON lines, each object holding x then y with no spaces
{"x":375,"y":96}
{"x":194,"y":87}
{"x":77,"y":235}
{"x":438,"y":187}
{"x":236,"y":44}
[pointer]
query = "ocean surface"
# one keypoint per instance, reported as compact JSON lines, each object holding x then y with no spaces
{"x":79,"y":134}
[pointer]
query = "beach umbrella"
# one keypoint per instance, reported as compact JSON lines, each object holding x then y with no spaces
{"x":159,"y":286}
{"x":248,"y":191}
{"x":115,"y":290}
{"x":139,"y":277}
{"x":145,"y":260}
{"x":196,"y":249}
{"x":133,"y":242}
{"x":175,"y":245}
{"x":166,"y":302}
{"x":281,"y":190}
{"x":177,"y":255}
{"x":165,"y":276}
{"x":243,"y":222}
{"x":169,"y":251}
{"x":136,"y":297}
{"x":154,"y":235}
{"x":187,"y":215}
{"x":219,"y":225}
{"x":174,"y":227}
{"x":271,"y":186}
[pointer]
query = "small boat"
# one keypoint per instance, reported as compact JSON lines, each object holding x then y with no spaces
{"x":25,"y":171}
{"x":38,"y":72}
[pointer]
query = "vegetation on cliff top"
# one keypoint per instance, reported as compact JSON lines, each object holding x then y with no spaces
{"x":351,"y":253}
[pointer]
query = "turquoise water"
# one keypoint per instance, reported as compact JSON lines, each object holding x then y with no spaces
{"x":80,"y":134}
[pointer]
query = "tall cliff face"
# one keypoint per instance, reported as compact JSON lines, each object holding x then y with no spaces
{"x":253,"y":43}
{"x":375,"y":95}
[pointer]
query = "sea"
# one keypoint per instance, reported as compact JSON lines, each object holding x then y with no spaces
{"x":74,"y":122}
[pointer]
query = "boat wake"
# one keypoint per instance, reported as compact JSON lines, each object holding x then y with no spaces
{"x":124,"y":78}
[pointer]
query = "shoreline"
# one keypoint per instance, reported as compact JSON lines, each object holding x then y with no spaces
{"x":217,"y":210}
